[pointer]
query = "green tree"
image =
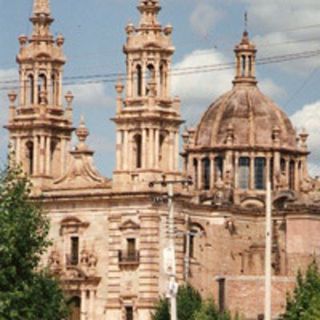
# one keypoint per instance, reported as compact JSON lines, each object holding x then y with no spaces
{"x":26,"y":291}
{"x":209,"y":311}
{"x":302,"y":304}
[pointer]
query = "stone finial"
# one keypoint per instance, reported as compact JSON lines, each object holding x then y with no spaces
{"x":12,"y":97}
{"x":130,"y":29}
{"x":119,"y":87}
{"x":69,"y":99}
{"x":60,"y":40}
{"x":304,"y":137}
{"x":23,"y":39}
{"x":276,"y":134}
{"x":186,"y":136}
{"x":167,"y":30}
{"x":82,"y":133}
{"x":230,"y":134}
{"x":41,"y":7}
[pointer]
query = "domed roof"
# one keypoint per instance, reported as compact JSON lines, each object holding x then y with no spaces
{"x":251,"y":115}
{"x":245,"y":114}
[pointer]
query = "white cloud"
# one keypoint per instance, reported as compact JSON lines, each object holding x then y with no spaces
{"x":282,"y":28}
{"x":198,"y":90}
{"x":308,"y":117}
{"x":90,"y":95}
{"x":204,"y":17}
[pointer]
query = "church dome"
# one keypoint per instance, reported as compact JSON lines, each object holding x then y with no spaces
{"x":252,"y":118}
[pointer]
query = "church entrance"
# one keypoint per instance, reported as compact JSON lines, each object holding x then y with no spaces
{"x":75,"y":308}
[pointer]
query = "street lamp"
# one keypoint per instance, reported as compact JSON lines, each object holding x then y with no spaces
{"x":170,"y":249}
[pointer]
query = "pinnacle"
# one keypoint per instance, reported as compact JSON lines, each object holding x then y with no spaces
{"x":41,"y":7}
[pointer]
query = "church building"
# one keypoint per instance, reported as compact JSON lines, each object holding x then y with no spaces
{"x":111,"y":235}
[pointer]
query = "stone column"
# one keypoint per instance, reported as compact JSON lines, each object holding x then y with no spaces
{"x":199,"y":173}
{"x":63,"y":156}
{"x":83,"y":309}
{"x":118,"y":151}
{"x":59,"y":90}
{"x":144,"y":149}
{"x":35,"y":155}
{"x":212,"y":172}
{"x":176,"y":152}
{"x":157,"y":147}
{"x":296,"y":175}
{"x":252,"y":178}
{"x":48,"y":156}
{"x":171,"y":152}
{"x":18,"y":150}
{"x":236,"y":171}
{"x":91,"y":305}
{"x":49,"y":87}
{"x":125,"y":151}
{"x":23,"y":87}
{"x":35,"y":86}
{"x":287,"y":171}
{"x":130,"y":79}
{"x":152,"y":149}
{"x":42,"y":154}
{"x":131,"y":165}
{"x":267,"y":177}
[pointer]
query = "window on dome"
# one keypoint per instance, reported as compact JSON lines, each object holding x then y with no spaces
{"x":283,"y":166}
{"x":206,"y":173}
{"x":195,"y":170}
{"x":243,"y":65}
{"x":218,"y":164}
{"x":259,"y":173}
{"x":244,"y":172}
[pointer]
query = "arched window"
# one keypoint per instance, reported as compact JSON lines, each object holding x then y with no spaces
{"x":291,"y":175}
{"x":30,"y":89}
{"x":218,"y":165}
{"x":259,"y":173}
{"x":250,"y":65}
{"x":161,"y":147}
{"x":138,"y":150}
{"x":42,"y":86}
{"x":283,"y":166}
{"x":53,"y":89}
{"x":243,"y":65}
{"x":150,"y":76}
{"x":195,"y":170}
{"x":139,"y":80}
{"x":244,"y":172}
{"x":206,"y":173}
{"x":75,"y":308}
{"x":29,"y":147}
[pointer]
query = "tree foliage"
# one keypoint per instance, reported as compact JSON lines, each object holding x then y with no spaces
{"x":304,"y":303}
{"x":26,"y":292}
{"x":190,"y":306}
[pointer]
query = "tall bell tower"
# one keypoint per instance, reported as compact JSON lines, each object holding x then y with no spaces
{"x":39,"y":126}
{"x":148,"y":117}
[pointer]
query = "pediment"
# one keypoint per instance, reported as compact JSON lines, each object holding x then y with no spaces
{"x":72,"y":224}
{"x":129,"y":225}
{"x":252,"y":202}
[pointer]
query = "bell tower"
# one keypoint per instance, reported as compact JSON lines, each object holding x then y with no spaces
{"x":148,"y":117}
{"x":39,"y":126}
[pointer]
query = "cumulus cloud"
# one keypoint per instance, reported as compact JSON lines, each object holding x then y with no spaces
{"x":286,"y":27}
{"x":90,"y":95}
{"x":308,"y":118}
{"x":204,"y":17}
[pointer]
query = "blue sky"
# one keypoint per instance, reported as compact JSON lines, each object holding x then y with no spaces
{"x":205,"y":32}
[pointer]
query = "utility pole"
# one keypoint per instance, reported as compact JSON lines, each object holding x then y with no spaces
{"x":268,"y":255}
{"x":172,"y":283}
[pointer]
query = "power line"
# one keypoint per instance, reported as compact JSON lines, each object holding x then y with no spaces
{"x":113,"y":77}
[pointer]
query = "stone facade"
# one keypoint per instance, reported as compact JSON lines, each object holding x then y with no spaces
{"x":110,"y":234}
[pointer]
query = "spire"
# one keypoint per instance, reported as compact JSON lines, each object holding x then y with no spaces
{"x":245,"y":59}
{"x":41,"y":7}
{"x":149,"y":10}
